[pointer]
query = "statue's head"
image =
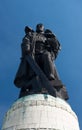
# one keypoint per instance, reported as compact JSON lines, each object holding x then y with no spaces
{"x":40,"y":28}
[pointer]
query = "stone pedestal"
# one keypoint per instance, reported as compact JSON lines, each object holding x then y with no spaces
{"x":40,"y":111}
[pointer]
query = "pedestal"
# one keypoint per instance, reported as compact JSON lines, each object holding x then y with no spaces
{"x":40,"y":111}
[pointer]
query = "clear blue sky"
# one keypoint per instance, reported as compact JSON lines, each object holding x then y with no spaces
{"x":64,"y":18}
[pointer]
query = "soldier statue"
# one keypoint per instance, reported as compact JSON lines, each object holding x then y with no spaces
{"x":37,"y":72}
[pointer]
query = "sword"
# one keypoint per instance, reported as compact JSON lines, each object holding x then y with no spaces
{"x":42,"y":76}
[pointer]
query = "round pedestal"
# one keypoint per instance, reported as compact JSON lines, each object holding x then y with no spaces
{"x":40,"y":111}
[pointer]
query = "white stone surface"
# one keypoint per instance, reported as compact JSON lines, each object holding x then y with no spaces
{"x":40,"y":111}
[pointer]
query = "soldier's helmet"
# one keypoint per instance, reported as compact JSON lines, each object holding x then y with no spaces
{"x":40,"y":28}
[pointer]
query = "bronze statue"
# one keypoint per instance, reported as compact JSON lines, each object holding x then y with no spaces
{"x":37,"y":72}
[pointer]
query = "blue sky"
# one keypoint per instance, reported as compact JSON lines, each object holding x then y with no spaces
{"x":64,"y":18}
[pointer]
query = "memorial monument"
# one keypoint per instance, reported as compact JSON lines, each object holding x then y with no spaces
{"x":39,"y":51}
{"x":42,"y":102}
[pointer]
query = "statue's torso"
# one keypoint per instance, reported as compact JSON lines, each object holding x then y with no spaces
{"x":40,"y":43}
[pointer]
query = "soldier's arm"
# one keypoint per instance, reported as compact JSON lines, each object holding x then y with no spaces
{"x":25,"y":45}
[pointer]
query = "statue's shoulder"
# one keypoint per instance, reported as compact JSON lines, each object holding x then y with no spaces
{"x":49,"y":34}
{"x":25,"y":38}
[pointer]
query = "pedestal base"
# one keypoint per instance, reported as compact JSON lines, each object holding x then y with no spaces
{"x":40,"y":111}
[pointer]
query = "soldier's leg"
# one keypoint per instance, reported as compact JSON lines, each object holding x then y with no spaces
{"x":56,"y":73}
{"x":48,"y":65}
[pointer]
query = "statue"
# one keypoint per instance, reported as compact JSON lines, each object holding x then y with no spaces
{"x":37,"y":72}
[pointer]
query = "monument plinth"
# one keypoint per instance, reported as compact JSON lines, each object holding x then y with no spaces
{"x":40,"y":111}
